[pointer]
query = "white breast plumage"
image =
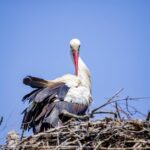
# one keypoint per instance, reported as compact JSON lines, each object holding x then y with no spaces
{"x":80,"y":95}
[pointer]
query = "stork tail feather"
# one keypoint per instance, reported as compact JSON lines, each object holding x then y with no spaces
{"x":35,"y":82}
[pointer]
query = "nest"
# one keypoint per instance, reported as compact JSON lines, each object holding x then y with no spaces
{"x":81,"y":133}
{"x":91,"y":135}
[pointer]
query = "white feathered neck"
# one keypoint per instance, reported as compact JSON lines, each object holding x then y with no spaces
{"x":84,"y":74}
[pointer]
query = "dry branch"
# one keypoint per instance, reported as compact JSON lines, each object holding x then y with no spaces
{"x":1,"y":120}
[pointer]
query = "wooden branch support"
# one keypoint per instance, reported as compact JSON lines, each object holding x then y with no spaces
{"x":83,"y":117}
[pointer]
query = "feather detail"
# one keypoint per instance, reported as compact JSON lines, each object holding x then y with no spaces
{"x":30,"y":95}
{"x":35,"y":82}
{"x":41,"y":103}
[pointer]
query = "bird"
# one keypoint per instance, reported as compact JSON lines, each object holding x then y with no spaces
{"x":70,"y":92}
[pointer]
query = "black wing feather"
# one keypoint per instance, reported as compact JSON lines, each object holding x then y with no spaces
{"x":35,"y":82}
{"x":30,"y":95}
{"x":41,"y":98}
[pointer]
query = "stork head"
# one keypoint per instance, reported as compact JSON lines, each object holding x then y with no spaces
{"x":75,"y":48}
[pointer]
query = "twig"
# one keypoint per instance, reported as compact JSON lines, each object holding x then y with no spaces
{"x":108,"y":101}
{"x":148,"y":116}
{"x":117,"y":111}
{"x":106,"y":112}
{"x":1,"y":120}
{"x":83,"y":117}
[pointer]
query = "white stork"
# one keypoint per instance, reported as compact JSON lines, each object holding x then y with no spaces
{"x":50,"y":97}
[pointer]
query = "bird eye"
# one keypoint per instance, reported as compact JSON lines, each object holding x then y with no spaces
{"x":79,"y":48}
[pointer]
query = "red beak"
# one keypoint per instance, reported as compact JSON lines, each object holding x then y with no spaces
{"x":76,"y":57}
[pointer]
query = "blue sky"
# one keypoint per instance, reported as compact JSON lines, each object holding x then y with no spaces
{"x":34,"y":40}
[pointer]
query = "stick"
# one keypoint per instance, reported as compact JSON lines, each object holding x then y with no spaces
{"x":108,"y":101}
{"x":1,"y":120}
{"x":117,"y":111}
{"x":84,"y":117}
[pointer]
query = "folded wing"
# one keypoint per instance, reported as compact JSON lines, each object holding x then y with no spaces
{"x":46,"y":103}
